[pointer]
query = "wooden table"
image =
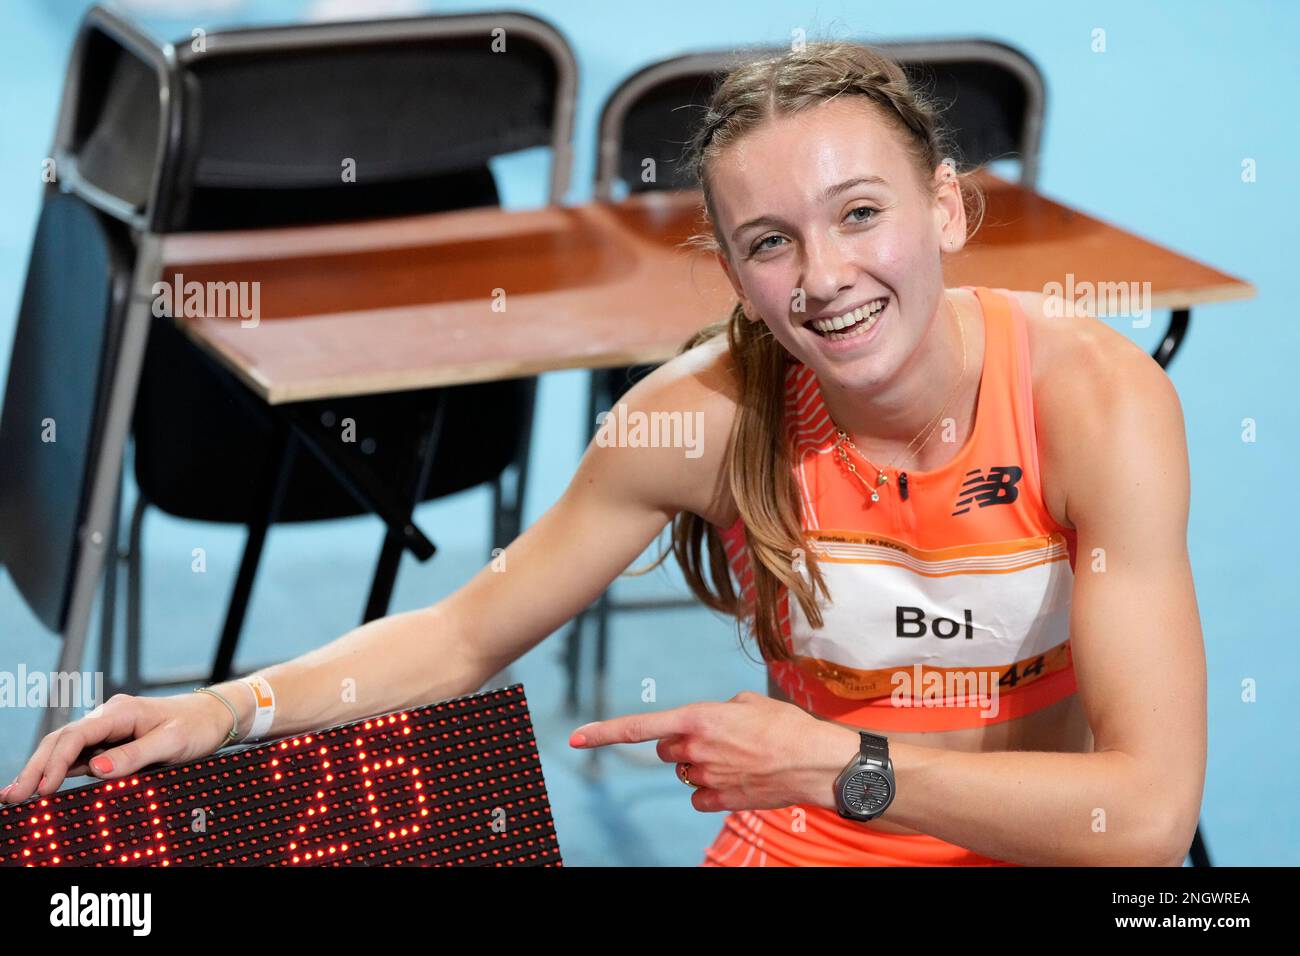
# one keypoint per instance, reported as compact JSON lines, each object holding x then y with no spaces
{"x":409,"y":303}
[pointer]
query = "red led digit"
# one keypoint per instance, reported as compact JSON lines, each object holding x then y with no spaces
{"x":311,"y":839}
{"x":392,"y":787}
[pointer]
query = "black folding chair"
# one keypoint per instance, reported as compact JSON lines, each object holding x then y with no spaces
{"x":66,"y":348}
{"x":251,"y":131}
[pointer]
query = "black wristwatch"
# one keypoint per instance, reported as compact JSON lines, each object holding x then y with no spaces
{"x":865,"y":788}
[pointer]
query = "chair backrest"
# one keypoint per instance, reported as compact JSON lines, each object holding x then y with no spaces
{"x":993,"y":94}
{"x":266,"y":124}
{"x":69,"y":322}
{"x":289,"y":124}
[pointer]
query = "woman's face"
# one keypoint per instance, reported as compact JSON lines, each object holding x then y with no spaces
{"x":822,"y":214}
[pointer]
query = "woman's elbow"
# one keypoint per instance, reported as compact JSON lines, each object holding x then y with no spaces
{"x":1168,"y":838}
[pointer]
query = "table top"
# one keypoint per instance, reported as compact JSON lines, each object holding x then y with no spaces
{"x":483,"y":294}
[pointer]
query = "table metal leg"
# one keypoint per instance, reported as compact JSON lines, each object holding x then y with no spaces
{"x":1179,"y":320}
{"x":360,"y":482}
{"x":352,"y":475}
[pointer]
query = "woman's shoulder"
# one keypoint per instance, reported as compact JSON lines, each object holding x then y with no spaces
{"x":1088,"y":380}
{"x":1072,"y":351}
{"x":701,"y":378}
{"x":707,"y":367}
{"x":698,"y":388}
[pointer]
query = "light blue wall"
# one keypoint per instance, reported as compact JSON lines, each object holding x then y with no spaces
{"x":1149,"y":135}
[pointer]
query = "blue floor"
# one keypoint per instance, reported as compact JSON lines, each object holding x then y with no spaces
{"x":1150,"y":135}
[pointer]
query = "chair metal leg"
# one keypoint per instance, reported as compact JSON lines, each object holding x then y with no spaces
{"x":510,"y":488}
{"x":600,"y":691}
{"x":390,"y":554}
{"x":1199,"y":853}
{"x":108,"y":602}
{"x":573,"y":662}
{"x":598,"y":398}
{"x":600,"y":686}
{"x":509,"y":492}
{"x":383,"y":580}
{"x":275,"y":483}
{"x":1179,"y":320}
{"x":507,"y":520}
{"x":133,"y":680}
{"x":507,"y":506}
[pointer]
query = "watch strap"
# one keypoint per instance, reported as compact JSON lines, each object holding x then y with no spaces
{"x":874,"y":748}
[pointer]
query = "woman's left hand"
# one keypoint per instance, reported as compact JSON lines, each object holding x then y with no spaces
{"x":749,"y":753}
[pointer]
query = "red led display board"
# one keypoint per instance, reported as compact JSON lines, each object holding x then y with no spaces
{"x":452,"y":784}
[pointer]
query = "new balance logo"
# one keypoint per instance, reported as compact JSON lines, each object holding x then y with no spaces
{"x":997,"y":486}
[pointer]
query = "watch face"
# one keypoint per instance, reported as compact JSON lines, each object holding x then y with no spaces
{"x":866,"y":791}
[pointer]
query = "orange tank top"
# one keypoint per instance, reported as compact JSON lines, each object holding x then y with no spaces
{"x":949,"y":607}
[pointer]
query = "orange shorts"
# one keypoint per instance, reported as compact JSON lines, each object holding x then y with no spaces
{"x":813,"y":836}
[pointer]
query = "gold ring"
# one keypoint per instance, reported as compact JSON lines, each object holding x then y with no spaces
{"x":683,"y":771}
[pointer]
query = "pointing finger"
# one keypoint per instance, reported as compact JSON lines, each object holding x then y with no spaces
{"x":631,"y":729}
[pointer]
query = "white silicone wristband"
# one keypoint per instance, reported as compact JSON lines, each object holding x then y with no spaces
{"x":264,"y":701}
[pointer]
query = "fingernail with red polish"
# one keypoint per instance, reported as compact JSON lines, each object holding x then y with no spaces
{"x":102,"y":764}
{"x":577,"y":740}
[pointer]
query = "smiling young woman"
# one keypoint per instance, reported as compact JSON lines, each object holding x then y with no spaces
{"x":932,"y":462}
{"x":954,"y":526}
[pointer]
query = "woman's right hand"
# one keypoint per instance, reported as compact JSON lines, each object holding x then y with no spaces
{"x":122,"y":736}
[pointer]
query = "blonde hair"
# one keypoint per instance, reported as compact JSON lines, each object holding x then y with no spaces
{"x":759,"y":458}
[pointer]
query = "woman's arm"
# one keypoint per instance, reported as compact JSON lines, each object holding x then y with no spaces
{"x":617,"y":502}
{"x":610,"y":512}
{"x":615,"y":505}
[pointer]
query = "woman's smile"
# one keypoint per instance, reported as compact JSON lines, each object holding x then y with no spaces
{"x":857,"y":331}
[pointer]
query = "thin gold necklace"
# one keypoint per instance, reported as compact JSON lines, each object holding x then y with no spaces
{"x":842,"y":437}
